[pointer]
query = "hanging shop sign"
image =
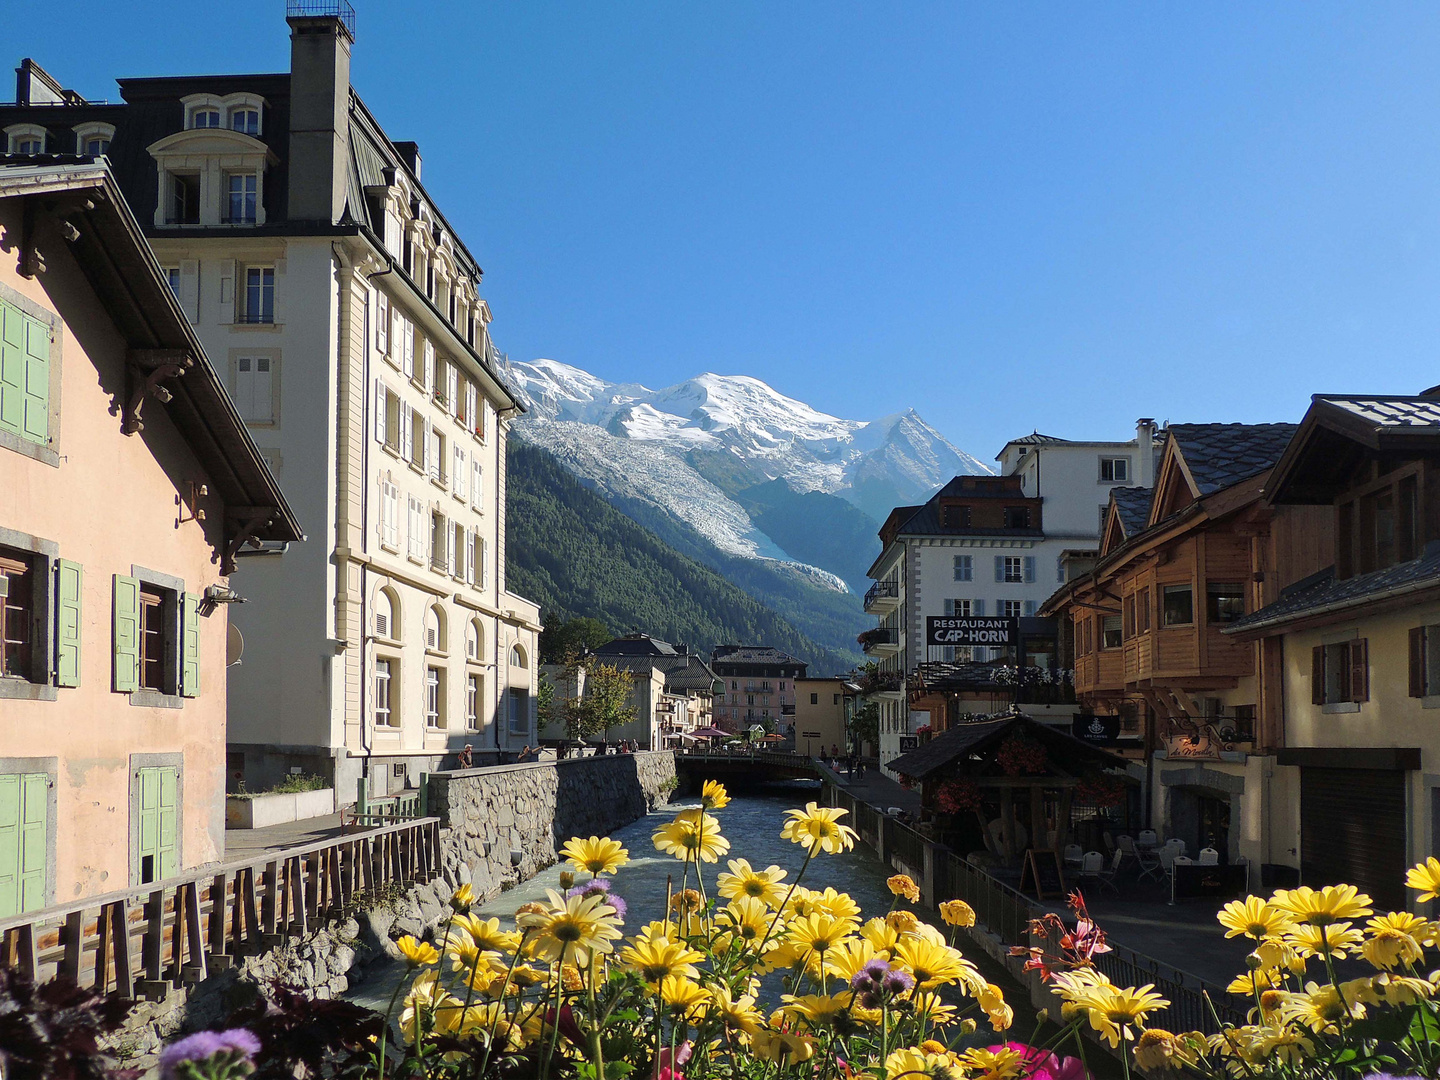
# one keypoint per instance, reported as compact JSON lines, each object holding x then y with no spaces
{"x":1101,"y":730}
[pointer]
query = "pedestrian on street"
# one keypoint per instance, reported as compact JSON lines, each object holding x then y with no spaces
{"x":467,"y":758}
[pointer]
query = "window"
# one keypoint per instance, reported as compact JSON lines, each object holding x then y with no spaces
{"x":415,"y":531}
{"x":477,"y":560}
{"x":172,"y":278}
{"x":385,"y":626}
{"x":259,"y":295}
{"x":153,"y":639}
{"x":430,"y":387}
{"x":964,"y":567}
{"x":460,"y":473}
{"x":452,"y":388}
{"x":26,"y":139}
{"x":955,"y":517}
{"x":1380,"y":528}
{"x":17,"y":614}
{"x":26,"y":822}
{"x":254,"y":389}
{"x":473,"y":636}
{"x":460,"y":551}
{"x":389,"y":513}
{"x":474,"y":694}
{"x":814,"y":699}
{"x":1424,"y":661}
{"x":242,"y":188}
{"x":385,"y":714}
{"x":466,"y":410}
{"x":1017,"y":517}
{"x":184,"y":199}
{"x":963,"y":608}
{"x":93,"y":139}
{"x":1012,"y":569}
{"x":245,"y":121}
{"x":205,"y":118}
{"x":1142,"y":609}
{"x":1114,"y":470}
{"x":434,"y":698}
{"x":477,"y":486}
{"x":435,"y":456}
{"x":439,"y":543}
{"x":418,"y":443}
{"x":24,"y":375}
{"x":517,"y":656}
{"x":1177,"y":605}
{"x":1010,"y":609}
{"x":519,"y":711}
{"x":1340,"y":673}
{"x":382,"y":323}
{"x":388,"y":409}
{"x":1060,"y":569}
{"x":1224,"y":603}
{"x":1110,"y":637}
{"x":435,"y":628}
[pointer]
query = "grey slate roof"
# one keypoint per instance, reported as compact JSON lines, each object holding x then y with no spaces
{"x":1219,"y":455}
{"x":979,"y":736}
{"x":927,"y":520}
{"x":1390,"y":412}
{"x":1132,"y":504}
{"x":637,"y":645}
{"x":1321,"y":593}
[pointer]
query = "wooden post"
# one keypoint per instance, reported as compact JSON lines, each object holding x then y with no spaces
{"x":197,"y":970}
{"x":153,"y":985}
{"x":74,"y":938}
{"x":269,"y":899}
{"x":1063,"y":825}
{"x":120,"y":940}
{"x":1039,"y":838}
{"x":249,"y":906}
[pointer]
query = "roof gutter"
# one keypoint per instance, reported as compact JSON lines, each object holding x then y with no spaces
{"x":1394,"y":593}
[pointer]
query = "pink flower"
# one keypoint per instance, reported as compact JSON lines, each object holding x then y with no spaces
{"x":1041,"y":1064}
{"x":668,"y":1062}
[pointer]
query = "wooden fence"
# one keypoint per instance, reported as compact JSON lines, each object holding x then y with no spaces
{"x":145,"y":940}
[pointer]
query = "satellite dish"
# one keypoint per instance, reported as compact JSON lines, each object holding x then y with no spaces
{"x":234,"y":646}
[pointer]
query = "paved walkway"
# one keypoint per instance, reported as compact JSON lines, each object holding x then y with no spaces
{"x":245,"y":843}
{"x":877,"y":789}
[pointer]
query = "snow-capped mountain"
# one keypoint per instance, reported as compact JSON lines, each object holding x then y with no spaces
{"x":765,"y":433}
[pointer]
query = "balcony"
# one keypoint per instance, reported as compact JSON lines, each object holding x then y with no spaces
{"x":880,"y":641}
{"x":883,"y":596}
{"x":883,"y":683}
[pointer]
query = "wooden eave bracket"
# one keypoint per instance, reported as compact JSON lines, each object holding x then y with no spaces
{"x":243,"y":523}
{"x":32,"y":262}
{"x":145,"y":372}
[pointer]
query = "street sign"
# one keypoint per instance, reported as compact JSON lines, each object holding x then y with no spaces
{"x":996,"y":631}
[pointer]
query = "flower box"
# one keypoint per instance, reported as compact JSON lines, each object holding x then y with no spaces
{"x":258,"y":811}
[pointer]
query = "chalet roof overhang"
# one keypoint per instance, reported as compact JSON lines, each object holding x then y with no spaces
{"x":980,"y":739}
{"x":1321,"y":601}
{"x":1333,"y":440}
{"x":81,"y":196}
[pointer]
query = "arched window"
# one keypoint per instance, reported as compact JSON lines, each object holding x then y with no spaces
{"x":387,"y":623}
{"x":435,"y":628}
{"x":26,"y":138}
{"x":517,"y":655}
{"x":93,"y":139}
{"x":474,"y":638}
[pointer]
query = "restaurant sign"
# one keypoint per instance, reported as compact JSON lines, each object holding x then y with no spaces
{"x":1101,"y":730}
{"x":1196,"y":747}
{"x":970,"y":630}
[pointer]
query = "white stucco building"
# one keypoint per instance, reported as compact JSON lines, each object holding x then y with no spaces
{"x":344,"y":315}
{"x":992,"y":546}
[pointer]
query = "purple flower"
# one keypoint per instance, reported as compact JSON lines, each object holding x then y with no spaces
{"x":876,"y":971}
{"x":897,"y":982}
{"x":206,"y":1044}
{"x":601,"y":887}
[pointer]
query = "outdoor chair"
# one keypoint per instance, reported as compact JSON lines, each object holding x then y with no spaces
{"x":1209,"y":857}
{"x":1127,"y":845}
{"x":1107,"y":874}
{"x":1176,"y":845}
{"x":1073,"y":853}
{"x":1108,"y":840}
{"x":1091,"y":866}
{"x":1149,"y":863}
{"x":1147,"y":838}
{"x":1167,"y":856}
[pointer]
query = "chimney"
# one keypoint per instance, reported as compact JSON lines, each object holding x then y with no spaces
{"x":1145,"y":443}
{"x":320,"y":38}
{"x":410,"y":154}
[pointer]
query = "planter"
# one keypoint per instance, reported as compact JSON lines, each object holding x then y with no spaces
{"x":258,"y":811}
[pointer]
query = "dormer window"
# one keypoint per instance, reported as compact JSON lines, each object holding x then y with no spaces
{"x":26,"y":139}
{"x":246,"y":121}
{"x":243,"y":191}
{"x":205,"y":118}
{"x":93,"y":140}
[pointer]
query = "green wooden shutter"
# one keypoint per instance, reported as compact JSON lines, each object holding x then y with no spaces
{"x":127,"y":634}
{"x":37,"y":381}
{"x":69,"y":582}
{"x":169,"y":822}
{"x":24,"y":808}
{"x":12,"y":369}
{"x":190,"y":638}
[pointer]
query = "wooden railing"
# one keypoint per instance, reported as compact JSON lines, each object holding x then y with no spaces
{"x":145,"y":940}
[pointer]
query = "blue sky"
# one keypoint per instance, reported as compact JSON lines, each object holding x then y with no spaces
{"x":1008,"y":216}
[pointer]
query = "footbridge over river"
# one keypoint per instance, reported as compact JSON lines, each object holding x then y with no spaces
{"x":738,"y":768}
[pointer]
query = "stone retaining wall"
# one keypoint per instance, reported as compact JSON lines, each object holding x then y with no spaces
{"x":502,"y":825}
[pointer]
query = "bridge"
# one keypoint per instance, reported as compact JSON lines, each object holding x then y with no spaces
{"x":737,"y":768}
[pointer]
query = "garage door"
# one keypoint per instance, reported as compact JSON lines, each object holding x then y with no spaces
{"x":1352,"y":829}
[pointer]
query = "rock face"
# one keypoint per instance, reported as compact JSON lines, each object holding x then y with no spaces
{"x":502,"y":825}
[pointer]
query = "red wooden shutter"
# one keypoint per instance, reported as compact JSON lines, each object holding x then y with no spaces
{"x":1359,"y":670}
{"x":1317,"y":675}
{"x":1417,"y":661}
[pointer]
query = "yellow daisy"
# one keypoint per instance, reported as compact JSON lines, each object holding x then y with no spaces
{"x":742,"y":880}
{"x":657,"y":959}
{"x":1321,"y":907}
{"x":818,"y":1012}
{"x":1425,"y":876}
{"x":573,"y":928}
{"x":696,"y":837}
{"x":1252,"y":917}
{"x":846,"y":960}
{"x":1161,"y":1051}
{"x":1319,"y":1008}
{"x":597,"y":855}
{"x":745,"y":918}
{"x":1340,"y":939}
{"x":736,"y":1013}
{"x":999,"y":1064}
{"x":992,"y":1000}
{"x":837,"y":905}
{"x":1115,"y":1011}
{"x":931,"y":964}
{"x":818,"y":829}
{"x":782,"y":1046}
{"x":911,"y":1062}
{"x":429,"y":1008}
{"x":819,"y":933}
{"x":684,"y":995}
{"x":713,"y":795}
{"x":417,"y":953}
{"x":881,"y":935}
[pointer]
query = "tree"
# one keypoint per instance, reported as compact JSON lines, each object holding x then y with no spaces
{"x":605,"y":703}
{"x":545,"y":703}
{"x":567,"y":642}
{"x":865,"y":725}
